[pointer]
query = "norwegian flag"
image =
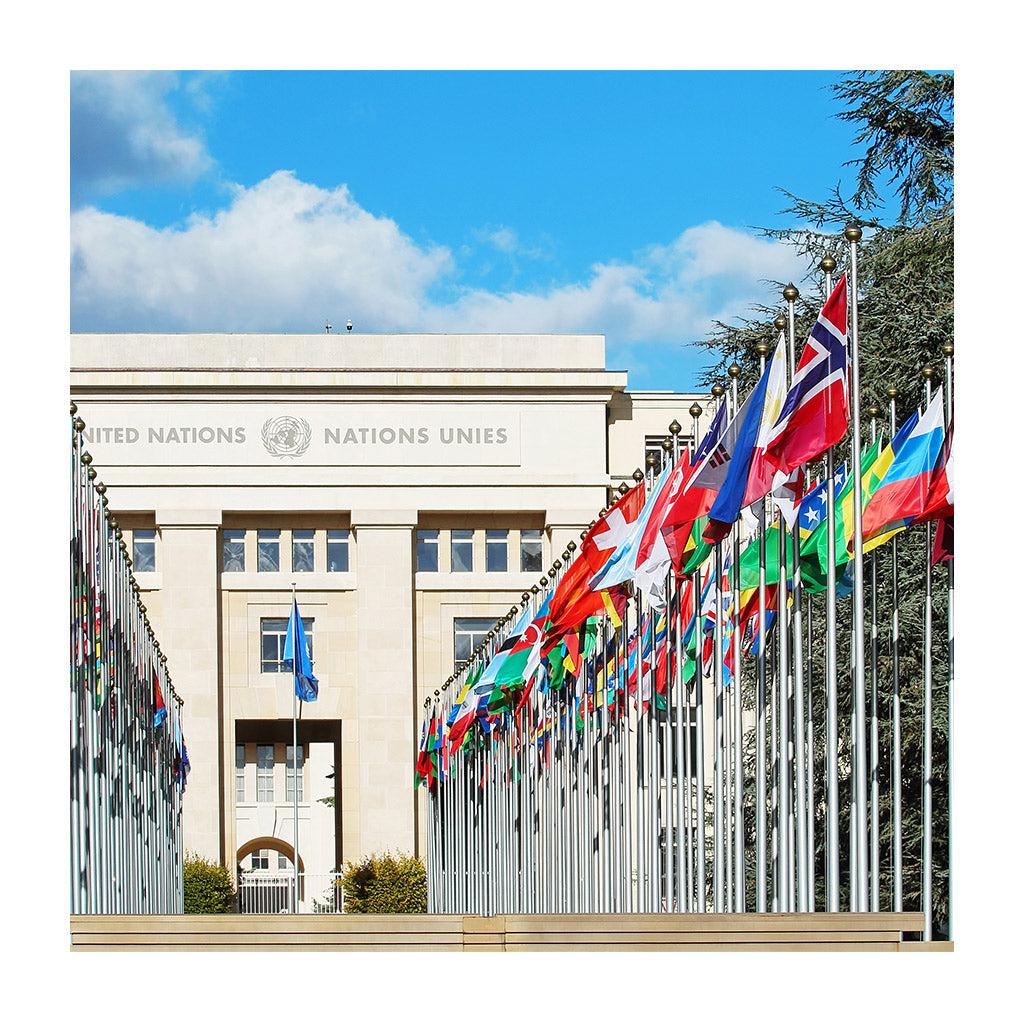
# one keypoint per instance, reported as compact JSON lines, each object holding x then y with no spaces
{"x":816,"y":411}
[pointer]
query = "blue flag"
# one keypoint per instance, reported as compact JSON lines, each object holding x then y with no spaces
{"x":296,"y":657}
{"x":726,"y":509}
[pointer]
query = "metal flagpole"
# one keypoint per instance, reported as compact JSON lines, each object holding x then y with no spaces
{"x":828,"y":265}
{"x":760,"y":781}
{"x":791,"y":294}
{"x":853,"y":235}
{"x":875,"y":881}
{"x":928,"y":783}
{"x":295,"y":757}
{"x":700,"y":839}
{"x":739,"y":852}
{"x":947,"y":352}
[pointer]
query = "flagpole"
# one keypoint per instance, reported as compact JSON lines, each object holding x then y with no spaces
{"x":947,"y":352}
{"x":700,"y":839}
{"x":739,"y":852}
{"x":926,"y":853}
{"x":827,"y":266}
{"x":853,"y":235}
{"x":297,"y":626}
{"x":791,"y":294}
{"x":760,"y":786}
{"x":875,"y":881}
{"x":897,"y":739}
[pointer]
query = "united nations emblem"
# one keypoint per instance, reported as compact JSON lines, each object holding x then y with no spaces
{"x":286,"y":437}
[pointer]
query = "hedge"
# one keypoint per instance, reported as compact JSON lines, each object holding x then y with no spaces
{"x":209,"y":888}
{"x":385,"y":884}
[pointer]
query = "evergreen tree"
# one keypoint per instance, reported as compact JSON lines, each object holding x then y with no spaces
{"x":905,"y":271}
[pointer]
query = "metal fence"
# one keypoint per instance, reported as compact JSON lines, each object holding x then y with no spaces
{"x":128,"y":759}
{"x":275,"y":893}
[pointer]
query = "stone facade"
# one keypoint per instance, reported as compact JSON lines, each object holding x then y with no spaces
{"x":371,"y":437}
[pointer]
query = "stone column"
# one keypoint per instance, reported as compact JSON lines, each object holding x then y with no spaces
{"x":189,"y":635}
{"x":384,"y":555}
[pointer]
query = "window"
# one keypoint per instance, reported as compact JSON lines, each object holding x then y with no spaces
{"x":272,"y":636}
{"x":497,"y":550}
{"x":283,"y":863}
{"x":234,"y":551}
{"x":652,"y":446}
{"x":530,"y":550}
{"x":144,"y":550}
{"x":468,"y":635}
{"x":260,"y":860}
{"x":240,"y":773}
{"x":302,"y":550}
{"x":265,"y":773}
{"x":337,"y":550}
{"x":462,"y":550}
{"x":426,"y":550}
{"x":268,"y":550}
{"x":290,"y":777}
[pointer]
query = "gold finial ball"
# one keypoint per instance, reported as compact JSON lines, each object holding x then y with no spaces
{"x":557,"y":563}
{"x":791,"y":293}
{"x":891,"y":392}
{"x":86,"y":459}
{"x":928,"y":372}
{"x":91,"y":472}
{"x":666,"y":444}
{"x":163,"y":658}
{"x":761,"y":348}
{"x":583,"y":534}
{"x":79,"y":424}
{"x":543,"y":581}
{"x":874,"y":412}
{"x":717,"y":390}
{"x":695,"y":410}
{"x":947,"y":348}
{"x":142,"y":608}
{"x":571,"y":546}
{"x":853,"y":233}
{"x":827,"y":264}
{"x":526,"y":595}
{"x":650,"y":460}
{"x":637,"y":476}
{"x":74,"y":408}
{"x":101,"y":487}
{"x":104,"y":501}
{"x":535,"y":589}
{"x":675,"y":427}
{"x":624,"y":487}
{"x":780,"y":322}
{"x":733,"y":371}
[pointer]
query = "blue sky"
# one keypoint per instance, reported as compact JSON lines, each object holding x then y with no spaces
{"x":622,"y":203}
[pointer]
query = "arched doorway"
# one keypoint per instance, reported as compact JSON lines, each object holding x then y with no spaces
{"x":266,"y":888}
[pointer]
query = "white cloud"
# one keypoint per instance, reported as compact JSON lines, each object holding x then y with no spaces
{"x":124,"y":133}
{"x":285,"y":254}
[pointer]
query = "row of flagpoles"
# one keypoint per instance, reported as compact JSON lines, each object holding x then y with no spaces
{"x":129,"y":763}
{"x":726,"y":617}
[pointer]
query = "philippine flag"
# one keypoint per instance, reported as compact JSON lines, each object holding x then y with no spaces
{"x":816,"y":410}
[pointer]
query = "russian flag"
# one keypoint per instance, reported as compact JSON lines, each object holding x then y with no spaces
{"x":902,"y":494}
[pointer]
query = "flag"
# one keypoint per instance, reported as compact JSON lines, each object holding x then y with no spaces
{"x":816,"y":411}
{"x":902,"y":494}
{"x":159,"y":708}
{"x":762,"y":472}
{"x":621,"y":564}
{"x":738,"y":447}
{"x":573,"y":600}
{"x":653,"y":557}
{"x":296,"y":657}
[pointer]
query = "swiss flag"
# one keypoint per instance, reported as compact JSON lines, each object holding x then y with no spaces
{"x":573,"y":601}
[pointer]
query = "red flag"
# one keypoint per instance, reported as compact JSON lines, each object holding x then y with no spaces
{"x":816,"y":410}
{"x":573,"y":601}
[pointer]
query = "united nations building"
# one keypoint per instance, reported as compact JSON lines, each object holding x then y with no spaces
{"x":410,"y":487}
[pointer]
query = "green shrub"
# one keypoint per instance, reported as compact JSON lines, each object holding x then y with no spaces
{"x":385,"y":884}
{"x":209,"y":888}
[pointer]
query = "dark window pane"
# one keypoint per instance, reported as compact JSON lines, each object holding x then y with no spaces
{"x":462,"y":550}
{"x":268,"y":550}
{"x":496,"y":543}
{"x":302,"y":550}
{"x":144,"y":550}
{"x":337,"y":550}
{"x":530,"y":551}
{"x":426,"y":550}
{"x":234,"y":551}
